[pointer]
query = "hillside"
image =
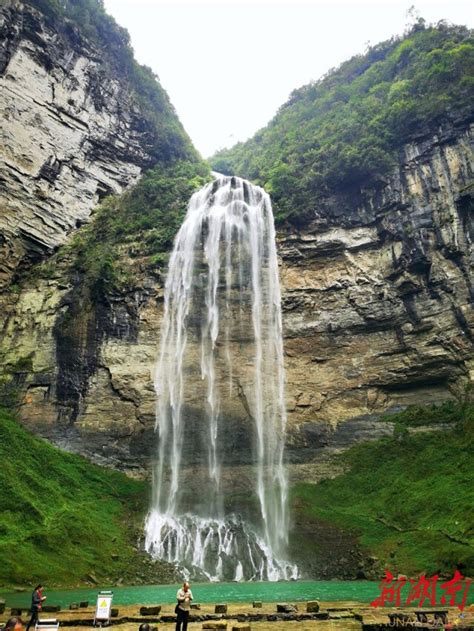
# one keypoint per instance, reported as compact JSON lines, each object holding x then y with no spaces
{"x":64,"y":519}
{"x":344,"y":132}
{"x":406,"y":500}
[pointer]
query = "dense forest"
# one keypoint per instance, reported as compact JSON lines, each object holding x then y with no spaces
{"x":345,"y":130}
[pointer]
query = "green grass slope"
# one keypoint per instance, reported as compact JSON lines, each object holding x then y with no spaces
{"x":344,"y":131}
{"x":408,"y":500}
{"x":62,"y":517}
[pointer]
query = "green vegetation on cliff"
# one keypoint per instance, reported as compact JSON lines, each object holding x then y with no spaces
{"x":407,"y":500}
{"x":62,"y":517}
{"x":343,"y":132}
{"x":140,"y":224}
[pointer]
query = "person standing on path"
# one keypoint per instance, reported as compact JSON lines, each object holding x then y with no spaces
{"x":184,"y":597}
{"x":36,"y":601}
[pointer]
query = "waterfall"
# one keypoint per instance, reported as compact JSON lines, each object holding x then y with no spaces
{"x":219,"y":489}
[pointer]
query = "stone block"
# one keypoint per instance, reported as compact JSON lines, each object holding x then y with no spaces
{"x":83,"y":604}
{"x":50,"y":608}
{"x":2,"y":605}
{"x":241,"y":627}
{"x":214,"y":625}
{"x":150,"y":611}
{"x":73,"y":606}
{"x":195,"y":606}
{"x":257,"y":604}
{"x":312,"y":606}
{"x":220,"y":608}
{"x":114,"y":613}
{"x":286,"y":608}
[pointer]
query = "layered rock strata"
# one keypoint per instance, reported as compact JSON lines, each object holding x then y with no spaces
{"x":377,"y":316}
{"x":71,"y":133}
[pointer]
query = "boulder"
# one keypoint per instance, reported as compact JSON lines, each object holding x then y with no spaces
{"x":241,"y":627}
{"x":150,"y":611}
{"x":2,"y":605}
{"x":195,"y":606}
{"x":114,"y":613}
{"x":50,"y":608}
{"x":257,"y":604}
{"x":286,"y":608}
{"x":220,"y":608}
{"x":312,"y":606}
{"x":73,"y":606}
{"x":214,"y":625}
{"x":83,"y":604}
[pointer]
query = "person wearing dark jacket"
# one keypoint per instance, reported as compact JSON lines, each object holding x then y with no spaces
{"x":36,"y":600}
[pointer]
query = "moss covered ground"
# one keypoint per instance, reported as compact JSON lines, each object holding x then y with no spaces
{"x":63,"y":518}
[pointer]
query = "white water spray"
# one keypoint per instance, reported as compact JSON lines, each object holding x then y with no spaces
{"x":220,"y":386}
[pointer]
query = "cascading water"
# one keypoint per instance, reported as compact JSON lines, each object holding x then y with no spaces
{"x":220,"y":489}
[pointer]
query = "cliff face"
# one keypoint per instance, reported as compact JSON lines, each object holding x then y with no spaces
{"x":72,"y":132}
{"x":376,"y":286}
{"x":376,"y":294}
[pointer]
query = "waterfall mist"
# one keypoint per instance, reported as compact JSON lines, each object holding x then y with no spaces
{"x":219,"y":489}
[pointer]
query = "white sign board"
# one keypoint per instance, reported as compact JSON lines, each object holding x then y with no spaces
{"x":103,"y":606}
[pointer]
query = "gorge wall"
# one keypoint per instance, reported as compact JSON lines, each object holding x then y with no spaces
{"x":376,"y":307}
{"x":73,"y":131}
{"x":376,"y":286}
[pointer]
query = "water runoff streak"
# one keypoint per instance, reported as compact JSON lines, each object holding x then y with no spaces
{"x":220,"y":490}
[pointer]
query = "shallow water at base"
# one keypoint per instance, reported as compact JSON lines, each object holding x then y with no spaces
{"x":362,"y":591}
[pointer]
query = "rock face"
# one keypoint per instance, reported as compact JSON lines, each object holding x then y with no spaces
{"x":376,"y":295}
{"x":376,"y":288}
{"x":71,"y":133}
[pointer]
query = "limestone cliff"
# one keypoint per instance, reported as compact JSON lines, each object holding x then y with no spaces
{"x":376,"y":285}
{"x":73,"y":130}
{"x":376,"y":316}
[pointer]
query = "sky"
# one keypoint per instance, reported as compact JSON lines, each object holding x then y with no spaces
{"x":228,"y":66}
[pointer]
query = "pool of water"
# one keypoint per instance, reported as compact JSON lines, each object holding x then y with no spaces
{"x":363,"y":591}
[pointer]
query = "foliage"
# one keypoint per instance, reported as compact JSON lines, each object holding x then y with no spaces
{"x":451,"y":411}
{"x":343,"y":132}
{"x":149,"y":214}
{"x":62,"y":517}
{"x":167,"y":139}
{"x":410,"y":502}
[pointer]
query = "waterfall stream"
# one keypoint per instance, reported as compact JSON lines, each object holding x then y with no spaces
{"x":219,"y":505}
